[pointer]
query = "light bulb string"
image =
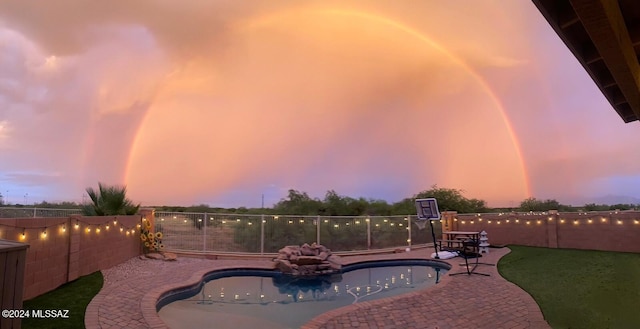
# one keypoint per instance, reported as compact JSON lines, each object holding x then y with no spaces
{"x":77,"y":224}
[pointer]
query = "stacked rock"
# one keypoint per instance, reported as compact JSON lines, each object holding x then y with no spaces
{"x":307,"y":260}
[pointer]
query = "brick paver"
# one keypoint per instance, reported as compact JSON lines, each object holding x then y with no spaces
{"x":128,"y":301}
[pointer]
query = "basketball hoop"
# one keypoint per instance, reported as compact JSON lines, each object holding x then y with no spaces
{"x":428,"y":212}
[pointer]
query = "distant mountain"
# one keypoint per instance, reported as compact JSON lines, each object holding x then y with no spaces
{"x":611,"y":199}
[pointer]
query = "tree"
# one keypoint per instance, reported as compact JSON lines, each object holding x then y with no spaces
{"x":298,"y":203}
{"x":448,"y":200}
{"x":533,"y":204}
{"x":595,"y":207}
{"x":109,"y":201}
{"x":1,"y":200}
{"x":621,"y":206}
{"x":378,"y":208}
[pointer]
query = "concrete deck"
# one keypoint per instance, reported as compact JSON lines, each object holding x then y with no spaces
{"x":128,"y":297}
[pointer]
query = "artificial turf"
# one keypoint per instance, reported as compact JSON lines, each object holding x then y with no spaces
{"x":73,"y":296}
{"x":578,"y":288}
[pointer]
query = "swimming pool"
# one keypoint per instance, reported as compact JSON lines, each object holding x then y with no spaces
{"x":245,"y":298}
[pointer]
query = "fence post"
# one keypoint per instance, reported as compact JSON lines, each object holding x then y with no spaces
{"x":318,"y":230}
{"x":368,"y":233}
{"x":34,"y":212}
{"x":262,"y":234}
{"x":204,"y":233}
{"x":409,"y":230}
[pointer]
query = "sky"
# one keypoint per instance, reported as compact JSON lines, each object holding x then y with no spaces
{"x":222,"y":102}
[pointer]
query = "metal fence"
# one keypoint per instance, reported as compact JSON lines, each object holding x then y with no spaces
{"x":18,"y":212}
{"x":205,"y":232}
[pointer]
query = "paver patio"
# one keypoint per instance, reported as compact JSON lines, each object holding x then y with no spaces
{"x":130,"y":292}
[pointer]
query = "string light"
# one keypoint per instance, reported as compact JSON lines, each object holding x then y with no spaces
{"x":77,"y":225}
{"x":44,"y":233}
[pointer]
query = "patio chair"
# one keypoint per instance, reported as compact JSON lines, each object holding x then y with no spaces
{"x":470,"y":249}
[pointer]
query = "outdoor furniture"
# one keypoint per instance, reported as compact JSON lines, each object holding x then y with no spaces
{"x":453,"y":240}
{"x":449,"y":245}
{"x":470,"y":249}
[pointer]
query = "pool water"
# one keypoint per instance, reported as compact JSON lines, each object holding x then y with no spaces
{"x":273,"y":300}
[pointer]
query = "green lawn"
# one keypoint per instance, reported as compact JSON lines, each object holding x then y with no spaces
{"x":578,"y":288}
{"x":73,"y":296}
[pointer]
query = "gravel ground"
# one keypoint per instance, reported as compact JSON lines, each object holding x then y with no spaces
{"x":141,"y":267}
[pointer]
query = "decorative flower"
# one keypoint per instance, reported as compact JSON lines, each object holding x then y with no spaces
{"x":152,"y":241}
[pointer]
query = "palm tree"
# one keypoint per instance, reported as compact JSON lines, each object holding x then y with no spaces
{"x":109,"y":201}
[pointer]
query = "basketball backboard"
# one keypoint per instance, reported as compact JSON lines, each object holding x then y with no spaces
{"x":427,"y":209}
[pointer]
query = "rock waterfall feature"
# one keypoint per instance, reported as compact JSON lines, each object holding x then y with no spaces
{"x":307,"y":260}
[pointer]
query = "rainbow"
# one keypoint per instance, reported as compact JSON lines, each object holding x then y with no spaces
{"x":394,"y":24}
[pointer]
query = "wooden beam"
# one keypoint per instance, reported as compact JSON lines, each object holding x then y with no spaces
{"x":605,"y":25}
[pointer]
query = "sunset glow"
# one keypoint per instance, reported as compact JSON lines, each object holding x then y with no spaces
{"x":219,"y":103}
